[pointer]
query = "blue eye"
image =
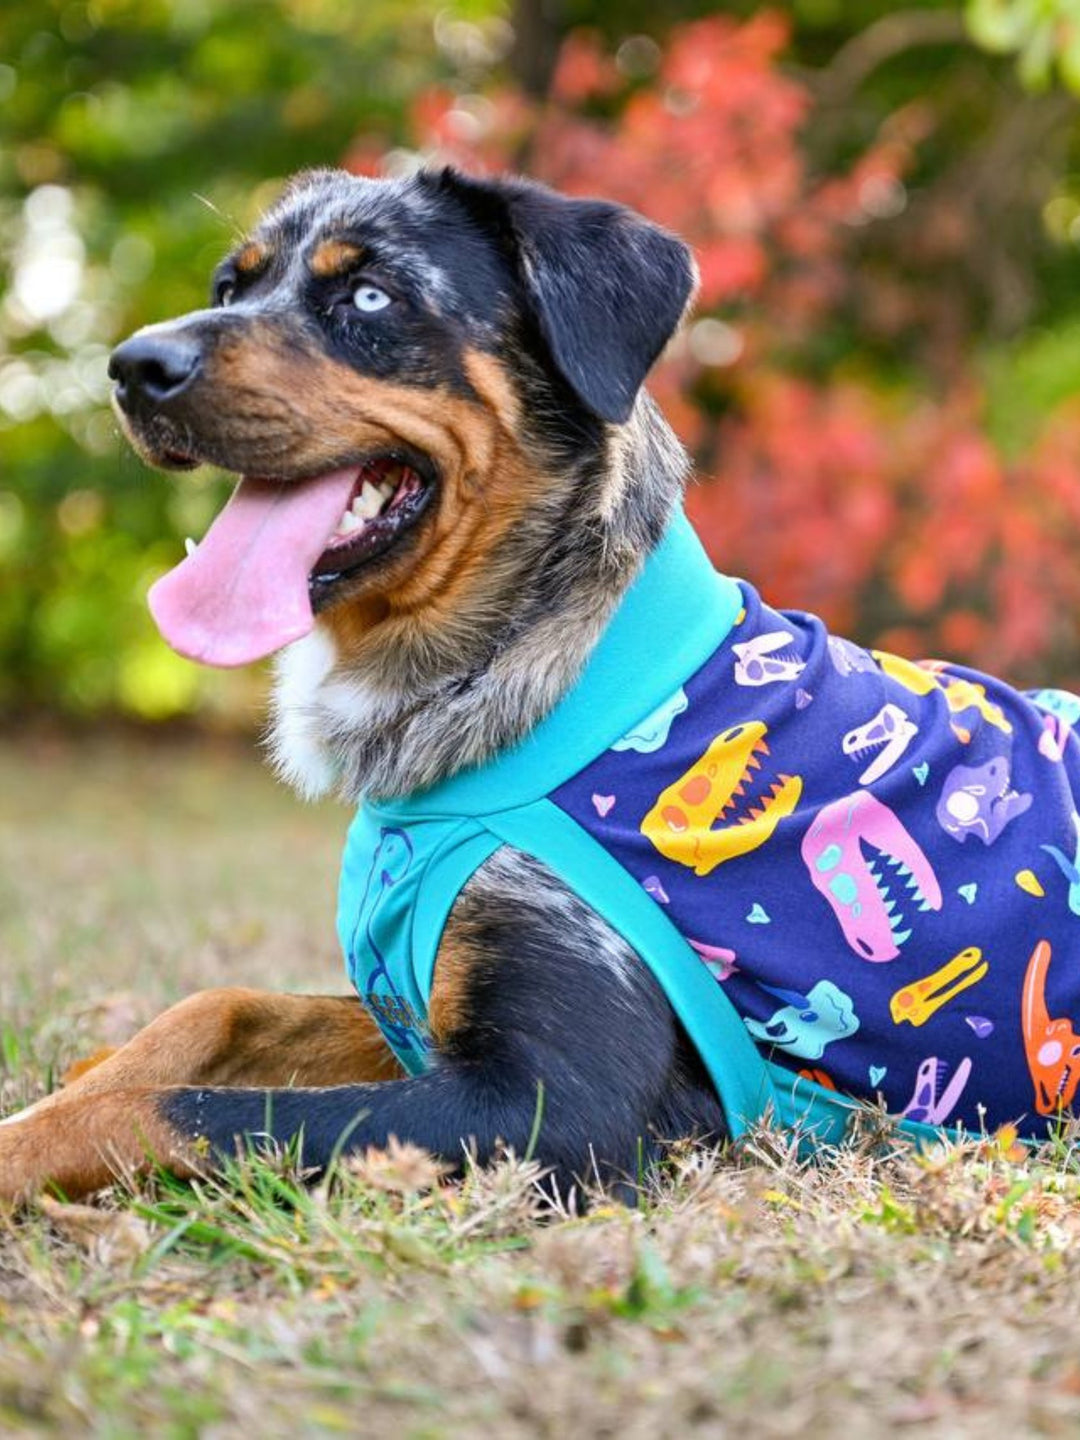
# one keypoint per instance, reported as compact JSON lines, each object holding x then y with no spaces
{"x":369,"y":298}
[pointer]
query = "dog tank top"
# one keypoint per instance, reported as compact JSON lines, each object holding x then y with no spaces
{"x":857,"y":878}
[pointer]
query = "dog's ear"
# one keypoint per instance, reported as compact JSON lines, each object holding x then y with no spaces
{"x":607,"y":287}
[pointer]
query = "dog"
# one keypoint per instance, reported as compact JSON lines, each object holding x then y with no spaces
{"x":637,"y":859}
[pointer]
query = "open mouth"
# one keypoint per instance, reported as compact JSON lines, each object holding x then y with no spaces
{"x":933,"y":1101}
{"x":283,"y":550}
{"x":917,"y":1000}
{"x":766,"y":791}
{"x":388,"y":496}
{"x":884,"y":738}
{"x":871,"y":871}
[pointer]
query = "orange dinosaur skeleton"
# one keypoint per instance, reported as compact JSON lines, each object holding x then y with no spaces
{"x":1052,"y":1047}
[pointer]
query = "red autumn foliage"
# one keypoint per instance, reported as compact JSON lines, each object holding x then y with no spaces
{"x":891,"y":513}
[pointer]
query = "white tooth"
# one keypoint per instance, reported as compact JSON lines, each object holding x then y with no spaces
{"x":349,"y":523}
{"x":190,"y":545}
{"x":386,"y":490}
{"x":368,"y":503}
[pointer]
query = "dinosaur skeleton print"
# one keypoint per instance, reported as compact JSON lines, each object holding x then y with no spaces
{"x":878,"y":860}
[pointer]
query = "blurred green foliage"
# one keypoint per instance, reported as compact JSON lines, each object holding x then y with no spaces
{"x":1043,"y":34}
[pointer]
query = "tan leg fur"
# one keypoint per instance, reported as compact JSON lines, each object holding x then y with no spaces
{"x":106,"y":1121}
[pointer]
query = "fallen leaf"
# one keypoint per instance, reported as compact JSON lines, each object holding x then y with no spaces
{"x":111,"y":1237}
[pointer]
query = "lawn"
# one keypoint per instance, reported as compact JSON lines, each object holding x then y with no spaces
{"x":874,"y":1291}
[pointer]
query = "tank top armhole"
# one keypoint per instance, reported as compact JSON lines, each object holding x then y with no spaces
{"x":458,"y":857}
{"x":751,"y":1089}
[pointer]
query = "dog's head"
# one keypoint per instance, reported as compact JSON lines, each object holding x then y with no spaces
{"x":399,"y":370}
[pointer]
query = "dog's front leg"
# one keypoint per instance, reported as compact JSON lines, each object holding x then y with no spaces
{"x":543,"y":1019}
{"x":107,"y":1122}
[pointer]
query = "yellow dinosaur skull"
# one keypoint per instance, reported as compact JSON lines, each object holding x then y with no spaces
{"x":917,"y":1001}
{"x":681,"y":822}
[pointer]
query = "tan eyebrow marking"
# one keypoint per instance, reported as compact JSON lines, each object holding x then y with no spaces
{"x":252,"y":257}
{"x":335,"y":257}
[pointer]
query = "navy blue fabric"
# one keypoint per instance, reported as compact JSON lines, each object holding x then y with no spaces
{"x":899,"y":915}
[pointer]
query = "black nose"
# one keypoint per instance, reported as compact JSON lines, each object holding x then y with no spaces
{"x":153,"y":368}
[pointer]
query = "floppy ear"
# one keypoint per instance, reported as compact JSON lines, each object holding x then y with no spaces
{"x":606,"y":286}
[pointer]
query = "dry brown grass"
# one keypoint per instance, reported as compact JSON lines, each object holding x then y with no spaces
{"x":870,"y":1293}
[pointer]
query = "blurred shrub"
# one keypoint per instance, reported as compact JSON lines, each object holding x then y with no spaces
{"x":1043,"y":34}
{"x":831,"y":382}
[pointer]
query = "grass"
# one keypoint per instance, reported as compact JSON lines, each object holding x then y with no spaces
{"x":874,"y":1292}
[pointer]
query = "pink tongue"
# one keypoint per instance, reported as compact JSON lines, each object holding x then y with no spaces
{"x":244,"y":592}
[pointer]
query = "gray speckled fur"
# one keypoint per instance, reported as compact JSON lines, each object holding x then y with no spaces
{"x":319,"y":203}
{"x":510,"y":878}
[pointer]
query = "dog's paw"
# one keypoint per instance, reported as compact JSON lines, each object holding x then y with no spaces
{"x":74,"y":1143}
{"x":21,"y":1156}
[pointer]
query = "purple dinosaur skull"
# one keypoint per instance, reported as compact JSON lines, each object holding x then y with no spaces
{"x":977,"y":800}
{"x":932,"y":1101}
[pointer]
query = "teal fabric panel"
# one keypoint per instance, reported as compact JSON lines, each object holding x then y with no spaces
{"x":464,"y":850}
{"x":380,"y":885}
{"x":398,"y":882}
